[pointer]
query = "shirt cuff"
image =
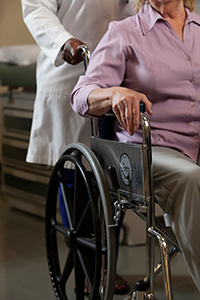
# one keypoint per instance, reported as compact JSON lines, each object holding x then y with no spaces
{"x":79,"y":100}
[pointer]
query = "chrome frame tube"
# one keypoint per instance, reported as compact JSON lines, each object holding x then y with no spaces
{"x":172,"y":254}
{"x":94,"y":127}
{"x":86,"y":59}
{"x":86,"y":54}
{"x":165,"y":261}
{"x":150,"y":204}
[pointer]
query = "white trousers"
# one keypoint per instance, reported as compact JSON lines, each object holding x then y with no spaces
{"x":177,"y":190}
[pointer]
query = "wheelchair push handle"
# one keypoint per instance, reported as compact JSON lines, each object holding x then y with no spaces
{"x":84,"y":50}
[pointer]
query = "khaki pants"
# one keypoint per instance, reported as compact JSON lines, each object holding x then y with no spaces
{"x":177,"y":190}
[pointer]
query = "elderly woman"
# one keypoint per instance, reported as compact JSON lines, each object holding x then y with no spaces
{"x":154,"y":57}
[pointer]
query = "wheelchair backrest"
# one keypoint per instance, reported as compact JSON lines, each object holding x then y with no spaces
{"x":106,"y":128}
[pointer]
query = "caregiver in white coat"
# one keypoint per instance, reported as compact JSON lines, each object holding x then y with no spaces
{"x":58,"y":27}
{"x":52,"y":23}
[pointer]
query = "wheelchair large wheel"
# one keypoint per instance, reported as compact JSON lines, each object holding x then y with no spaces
{"x":88,"y":246}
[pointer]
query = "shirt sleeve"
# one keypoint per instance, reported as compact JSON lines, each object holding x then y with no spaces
{"x":106,"y":68}
{"x":41,"y":19}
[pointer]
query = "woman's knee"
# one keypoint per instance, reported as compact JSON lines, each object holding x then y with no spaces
{"x":191,"y":176}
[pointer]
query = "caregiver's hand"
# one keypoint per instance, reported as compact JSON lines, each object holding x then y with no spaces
{"x":71,"y":53}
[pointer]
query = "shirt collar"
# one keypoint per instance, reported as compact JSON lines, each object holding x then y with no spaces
{"x":192,"y":17}
{"x":148,"y":17}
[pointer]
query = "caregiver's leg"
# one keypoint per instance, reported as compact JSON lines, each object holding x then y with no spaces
{"x":177,"y":190}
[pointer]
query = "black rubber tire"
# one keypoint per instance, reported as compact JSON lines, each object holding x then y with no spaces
{"x":84,"y":249}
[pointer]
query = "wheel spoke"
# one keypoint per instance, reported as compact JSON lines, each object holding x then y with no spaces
{"x":86,"y":220}
{"x":79,"y":198}
{"x":67,"y":198}
{"x":79,"y":278}
{"x":90,"y":243}
{"x":87,"y":266}
{"x":69,"y":265}
{"x":60,"y":228}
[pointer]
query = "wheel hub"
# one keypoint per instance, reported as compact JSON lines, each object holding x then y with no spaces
{"x":69,"y":238}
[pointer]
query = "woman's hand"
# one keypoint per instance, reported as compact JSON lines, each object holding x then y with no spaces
{"x":126,"y":107}
{"x":71,"y":54}
{"x":124,"y":102}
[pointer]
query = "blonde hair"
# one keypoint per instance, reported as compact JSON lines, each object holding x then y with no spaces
{"x":187,"y":3}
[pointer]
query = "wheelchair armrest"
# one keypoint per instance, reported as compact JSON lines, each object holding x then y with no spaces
{"x":106,"y":125}
{"x":142,"y":107}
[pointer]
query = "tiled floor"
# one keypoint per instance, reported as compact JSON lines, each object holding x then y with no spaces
{"x":23,"y":267}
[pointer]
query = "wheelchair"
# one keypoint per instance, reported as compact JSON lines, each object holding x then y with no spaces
{"x":109,"y":177}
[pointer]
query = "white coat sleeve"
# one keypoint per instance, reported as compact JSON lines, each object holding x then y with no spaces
{"x":44,"y":25}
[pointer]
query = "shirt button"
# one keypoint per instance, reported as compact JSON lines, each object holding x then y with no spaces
{"x":192,"y":79}
{"x":189,"y":124}
{"x":196,"y":136}
{"x":188,"y":58}
{"x":192,"y":104}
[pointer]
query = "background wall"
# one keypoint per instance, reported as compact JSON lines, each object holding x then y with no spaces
{"x":13,"y":31}
{"x":197,"y":6}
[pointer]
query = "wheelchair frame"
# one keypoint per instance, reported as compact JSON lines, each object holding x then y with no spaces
{"x":143,"y":206}
{"x":129,"y":185}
